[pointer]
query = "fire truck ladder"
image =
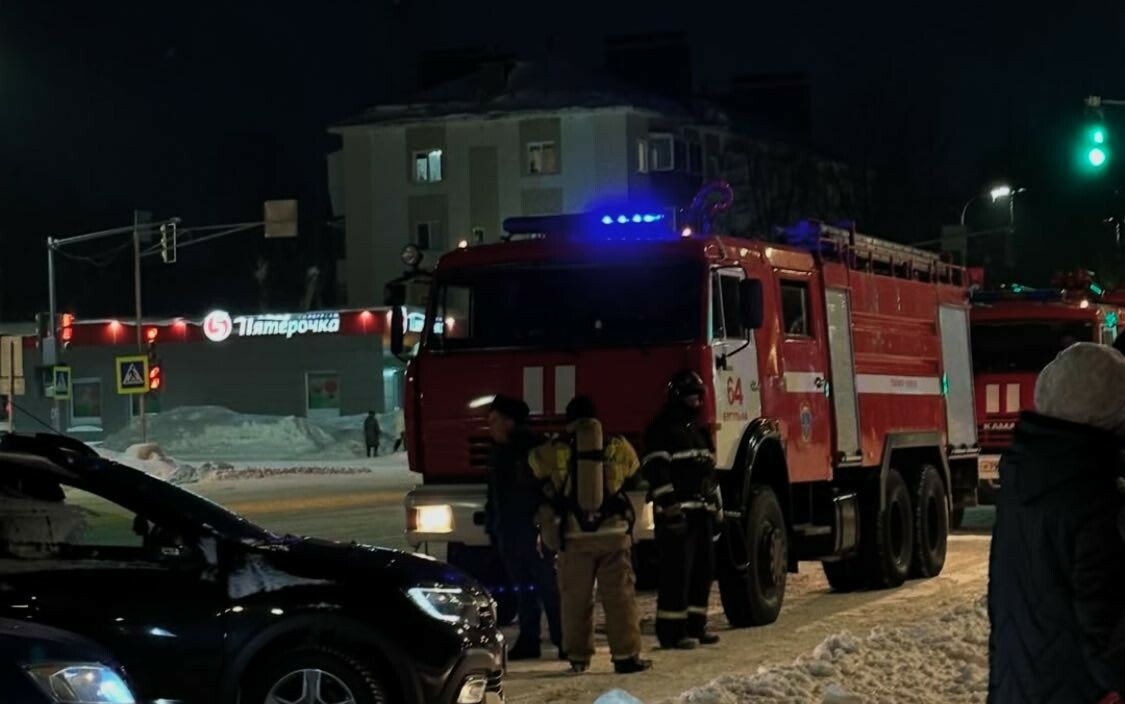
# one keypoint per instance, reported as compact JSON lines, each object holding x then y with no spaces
{"x":872,"y":254}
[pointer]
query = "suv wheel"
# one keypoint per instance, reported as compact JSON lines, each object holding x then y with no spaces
{"x":313,"y":676}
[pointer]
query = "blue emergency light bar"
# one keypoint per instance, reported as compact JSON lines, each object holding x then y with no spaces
{"x":627,"y":225}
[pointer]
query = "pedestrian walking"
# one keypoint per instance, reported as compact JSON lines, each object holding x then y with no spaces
{"x":371,"y":434}
{"x":679,"y":466}
{"x":1057,"y":564}
{"x":514,"y":496}
{"x":588,"y":521}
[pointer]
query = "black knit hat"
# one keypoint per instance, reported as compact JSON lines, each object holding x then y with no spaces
{"x":580,"y":407}
{"x":511,"y":408}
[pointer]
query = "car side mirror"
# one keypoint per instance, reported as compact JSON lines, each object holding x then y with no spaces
{"x":750,"y":304}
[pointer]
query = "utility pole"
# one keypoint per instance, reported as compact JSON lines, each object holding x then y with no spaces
{"x":137,"y":295}
{"x":50,"y":352}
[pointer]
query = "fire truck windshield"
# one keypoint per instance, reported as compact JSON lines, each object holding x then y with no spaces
{"x":568,"y":306}
{"x":1023,"y":346}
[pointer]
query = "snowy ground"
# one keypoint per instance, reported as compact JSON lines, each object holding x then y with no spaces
{"x":219,"y":434}
{"x":925,"y":642}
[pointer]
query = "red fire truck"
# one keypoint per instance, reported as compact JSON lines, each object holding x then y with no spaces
{"x":842,"y":406}
{"x":1017,"y":331}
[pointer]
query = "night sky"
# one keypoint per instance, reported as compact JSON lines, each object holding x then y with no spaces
{"x":203,"y":110}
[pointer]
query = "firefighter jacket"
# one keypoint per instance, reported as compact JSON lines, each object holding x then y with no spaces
{"x":679,"y":463}
{"x":551,"y":463}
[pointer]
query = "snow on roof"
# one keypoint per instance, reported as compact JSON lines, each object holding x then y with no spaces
{"x":492,"y":92}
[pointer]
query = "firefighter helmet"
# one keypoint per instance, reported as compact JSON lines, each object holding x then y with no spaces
{"x":685,"y":383}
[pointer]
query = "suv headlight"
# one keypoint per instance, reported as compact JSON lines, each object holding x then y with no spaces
{"x":81,"y":683}
{"x":449,"y":604}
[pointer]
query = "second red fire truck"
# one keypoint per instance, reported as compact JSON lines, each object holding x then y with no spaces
{"x":1016,"y":331}
{"x":838,"y":366}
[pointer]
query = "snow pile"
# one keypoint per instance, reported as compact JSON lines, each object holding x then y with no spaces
{"x":208,"y":432}
{"x":939,"y":661}
{"x":150,"y":458}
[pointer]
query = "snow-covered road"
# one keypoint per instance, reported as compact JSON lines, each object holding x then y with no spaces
{"x":938,"y":617}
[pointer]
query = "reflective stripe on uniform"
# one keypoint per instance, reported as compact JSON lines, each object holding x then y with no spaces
{"x":692,"y":454}
{"x":672,"y":615}
{"x":653,"y":456}
{"x":697,"y":610}
{"x":662,"y":490}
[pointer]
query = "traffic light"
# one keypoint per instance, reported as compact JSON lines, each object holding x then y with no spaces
{"x":66,"y":329}
{"x":1096,"y":141}
{"x":168,"y":242}
{"x":155,"y":373}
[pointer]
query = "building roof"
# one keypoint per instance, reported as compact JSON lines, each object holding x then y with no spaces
{"x":494,"y":91}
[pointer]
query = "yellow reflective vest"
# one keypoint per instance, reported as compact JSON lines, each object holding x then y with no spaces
{"x":551,"y":460}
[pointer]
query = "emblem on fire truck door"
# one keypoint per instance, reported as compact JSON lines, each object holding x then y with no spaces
{"x":806,"y":422}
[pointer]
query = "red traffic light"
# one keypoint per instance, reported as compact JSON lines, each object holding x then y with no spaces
{"x":67,"y":320}
{"x":151,"y":334}
{"x":155,"y":378}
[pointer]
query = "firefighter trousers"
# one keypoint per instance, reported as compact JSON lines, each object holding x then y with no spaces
{"x":606,"y":560}
{"x":686,"y":569}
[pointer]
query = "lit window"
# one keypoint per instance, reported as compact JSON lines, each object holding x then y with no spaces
{"x":478,"y":235}
{"x":427,"y":166}
{"x":542,"y":158}
{"x":642,"y":156}
{"x":661,"y":152}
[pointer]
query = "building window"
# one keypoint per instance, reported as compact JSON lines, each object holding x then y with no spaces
{"x":478,"y":235}
{"x":322,"y":394}
{"x":795,"y":308}
{"x":427,"y":166}
{"x":661,"y":152}
{"x":713,"y":167}
{"x":695,"y":159}
{"x":86,"y":402}
{"x":642,"y":156}
{"x":426,"y":235}
{"x":542,"y":158}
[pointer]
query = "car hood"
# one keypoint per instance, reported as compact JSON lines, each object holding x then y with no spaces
{"x":311,"y":559}
{"x":30,"y":643}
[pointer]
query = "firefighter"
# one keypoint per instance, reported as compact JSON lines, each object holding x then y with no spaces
{"x":588,"y":520}
{"x":679,"y":466}
{"x":514,"y":496}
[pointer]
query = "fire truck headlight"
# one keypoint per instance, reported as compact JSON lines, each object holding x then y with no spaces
{"x":430,"y":519}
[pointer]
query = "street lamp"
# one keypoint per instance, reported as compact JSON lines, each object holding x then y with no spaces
{"x":997,"y":193}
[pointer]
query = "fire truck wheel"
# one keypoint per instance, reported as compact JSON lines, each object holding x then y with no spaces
{"x":957,"y":518}
{"x":931,"y":524}
{"x":890,"y":547}
{"x":753,"y":596}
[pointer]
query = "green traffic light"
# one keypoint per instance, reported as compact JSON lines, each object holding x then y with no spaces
{"x":1099,"y":136}
{"x":1096,"y":156}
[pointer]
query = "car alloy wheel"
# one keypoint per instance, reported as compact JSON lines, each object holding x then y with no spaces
{"x":310,"y":687}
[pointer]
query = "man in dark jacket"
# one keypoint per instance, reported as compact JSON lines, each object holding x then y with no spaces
{"x":514,"y":497}
{"x":371,"y":433}
{"x":679,"y":465}
{"x":1057,"y":567}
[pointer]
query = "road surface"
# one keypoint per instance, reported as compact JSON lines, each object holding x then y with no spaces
{"x":368,"y":508}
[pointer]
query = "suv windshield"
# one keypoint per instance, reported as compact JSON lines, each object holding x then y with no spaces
{"x":1024,"y":346}
{"x":568,"y":306}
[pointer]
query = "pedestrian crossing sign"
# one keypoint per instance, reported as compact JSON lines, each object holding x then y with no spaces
{"x":60,"y":384}
{"x":132,"y":374}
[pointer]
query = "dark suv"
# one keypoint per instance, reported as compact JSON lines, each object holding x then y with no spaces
{"x":202,"y":606}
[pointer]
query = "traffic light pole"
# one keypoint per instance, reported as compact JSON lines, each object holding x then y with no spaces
{"x":51,"y":351}
{"x":140,"y":331}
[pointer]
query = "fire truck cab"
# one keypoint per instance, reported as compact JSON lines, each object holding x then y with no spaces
{"x":1016,"y":331}
{"x":838,"y":367}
